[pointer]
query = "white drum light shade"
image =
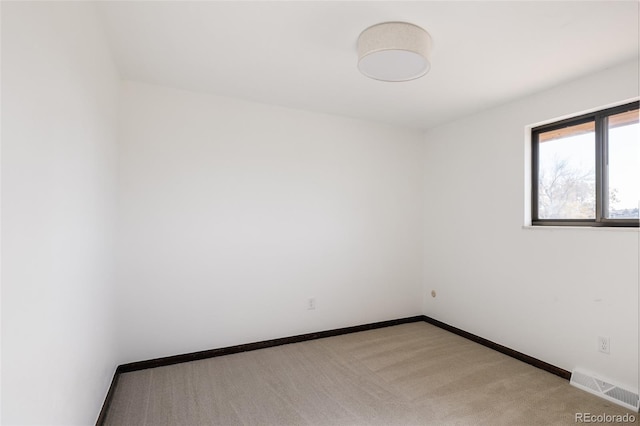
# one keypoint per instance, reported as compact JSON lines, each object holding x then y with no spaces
{"x":394,"y":51}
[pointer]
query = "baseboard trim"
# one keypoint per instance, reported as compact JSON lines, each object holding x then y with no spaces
{"x":107,"y":401}
{"x":211,"y":353}
{"x":502,"y":349}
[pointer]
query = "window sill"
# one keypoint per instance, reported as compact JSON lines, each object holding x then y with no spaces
{"x":581,"y":228}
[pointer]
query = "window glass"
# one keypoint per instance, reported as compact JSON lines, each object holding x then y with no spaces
{"x":623,"y":165}
{"x":566,"y":173}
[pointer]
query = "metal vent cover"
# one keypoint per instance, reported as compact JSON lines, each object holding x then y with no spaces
{"x":624,"y":395}
{"x":606,"y":390}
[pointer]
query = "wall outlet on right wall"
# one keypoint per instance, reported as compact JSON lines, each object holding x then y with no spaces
{"x":603,"y":344}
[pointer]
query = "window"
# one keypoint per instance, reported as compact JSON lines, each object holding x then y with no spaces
{"x":586,"y":170}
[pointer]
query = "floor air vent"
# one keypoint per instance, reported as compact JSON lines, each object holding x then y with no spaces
{"x":605,"y":390}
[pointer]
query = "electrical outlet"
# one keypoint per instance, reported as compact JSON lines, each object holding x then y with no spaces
{"x":603,"y":344}
{"x":311,"y":303}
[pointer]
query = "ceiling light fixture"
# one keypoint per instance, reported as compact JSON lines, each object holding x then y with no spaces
{"x":394,"y":51}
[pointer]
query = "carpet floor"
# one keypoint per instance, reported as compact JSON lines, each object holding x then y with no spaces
{"x":410,"y":374}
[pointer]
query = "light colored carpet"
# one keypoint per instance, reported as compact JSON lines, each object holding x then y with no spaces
{"x":411,"y":374}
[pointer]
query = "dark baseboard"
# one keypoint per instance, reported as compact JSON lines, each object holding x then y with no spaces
{"x":194,"y":356}
{"x":502,"y":349}
{"x":107,"y":401}
{"x":211,"y":353}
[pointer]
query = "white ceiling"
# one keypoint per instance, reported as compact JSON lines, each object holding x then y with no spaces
{"x":303,"y":54}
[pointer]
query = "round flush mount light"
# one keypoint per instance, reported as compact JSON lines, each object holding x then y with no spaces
{"x":394,"y":51}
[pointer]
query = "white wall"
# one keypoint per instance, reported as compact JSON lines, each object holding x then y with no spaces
{"x":548,"y":293}
{"x":233,"y":214}
{"x":59,"y":100}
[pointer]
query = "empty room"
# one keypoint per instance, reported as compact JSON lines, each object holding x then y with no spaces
{"x":319,"y":212}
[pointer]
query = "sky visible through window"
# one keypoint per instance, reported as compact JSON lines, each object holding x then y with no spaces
{"x":624,"y":165}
